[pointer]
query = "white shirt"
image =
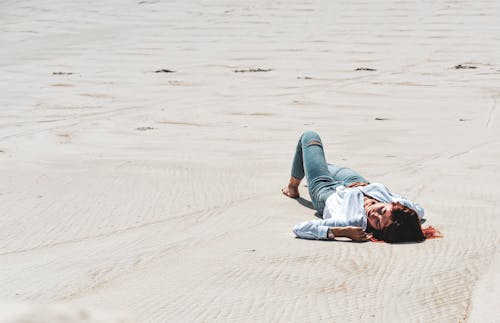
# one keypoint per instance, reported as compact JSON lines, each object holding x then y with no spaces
{"x":345,"y":208}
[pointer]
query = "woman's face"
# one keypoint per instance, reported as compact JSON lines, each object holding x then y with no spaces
{"x":379,"y":215}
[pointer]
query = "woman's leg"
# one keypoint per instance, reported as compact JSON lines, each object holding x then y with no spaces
{"x":345,"y":175}
{"x":309,"y":161}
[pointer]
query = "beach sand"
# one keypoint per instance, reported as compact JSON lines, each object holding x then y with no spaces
{"x":143,"y":145}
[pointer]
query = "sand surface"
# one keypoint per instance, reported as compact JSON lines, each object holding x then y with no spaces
{"x":157,"y":195}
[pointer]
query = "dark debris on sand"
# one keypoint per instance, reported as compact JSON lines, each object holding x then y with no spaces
{"x":365,"y":69}
{"x":164,"y":70}
{"x":461,"y":67}
{"x":253,"y":70}
{"x":62,"y":73}
{"x":144,"y":128}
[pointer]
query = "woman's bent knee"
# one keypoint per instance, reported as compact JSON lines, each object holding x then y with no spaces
{"x":310,"y":138}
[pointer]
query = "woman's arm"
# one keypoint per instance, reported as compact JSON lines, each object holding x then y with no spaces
{"x":323,"y":230}
{"x":312,"y":230}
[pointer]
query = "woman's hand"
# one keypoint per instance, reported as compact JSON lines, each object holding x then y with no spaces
{"x":357,"y":234}
{"x":353,"y":233}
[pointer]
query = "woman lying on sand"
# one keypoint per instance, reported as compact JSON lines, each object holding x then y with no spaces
{"x":350,"y":205}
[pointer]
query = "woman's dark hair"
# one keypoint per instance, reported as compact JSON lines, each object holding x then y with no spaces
{"x":405,"y":226}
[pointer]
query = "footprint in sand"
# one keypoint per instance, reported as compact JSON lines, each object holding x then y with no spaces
{"x":62,"y":85}
{"x":65,"y":138}
{"x":176,"y":83}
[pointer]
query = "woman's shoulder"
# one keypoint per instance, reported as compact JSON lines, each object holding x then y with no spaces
{"x":377,"y":190}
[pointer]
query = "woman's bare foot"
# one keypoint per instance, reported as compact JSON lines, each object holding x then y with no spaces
{"x":292,"y":190}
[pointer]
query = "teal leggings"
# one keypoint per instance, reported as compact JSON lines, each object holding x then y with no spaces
{"x":322,"y":178}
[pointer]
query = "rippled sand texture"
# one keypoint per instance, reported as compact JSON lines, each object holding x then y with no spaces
{"x":157,"y":194}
